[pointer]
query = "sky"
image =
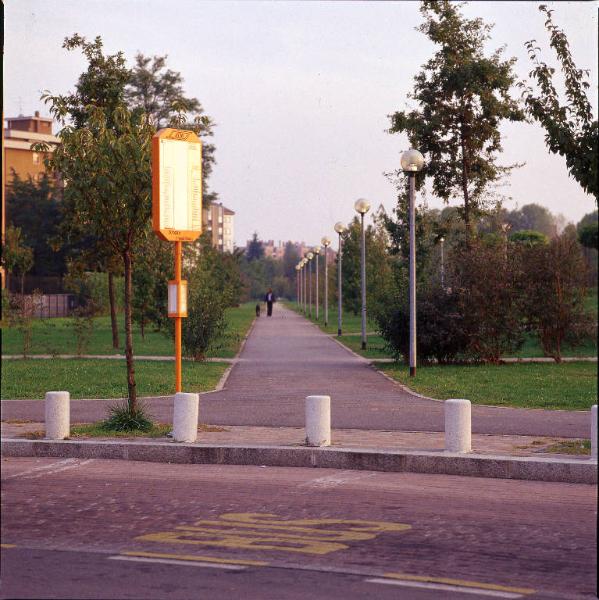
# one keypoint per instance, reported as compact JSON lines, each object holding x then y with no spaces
{"x":300,"y":93}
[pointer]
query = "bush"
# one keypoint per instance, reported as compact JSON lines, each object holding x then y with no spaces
{"x":123,"y":419}
{"x":555,"y":277}
{"x":82,"y":322}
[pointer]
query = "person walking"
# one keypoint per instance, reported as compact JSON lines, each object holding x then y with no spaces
{"x":269,"y":299}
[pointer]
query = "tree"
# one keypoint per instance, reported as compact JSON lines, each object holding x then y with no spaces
{"x":532,"y":217}
{"x":555,"y":276}
{"x":158,"y":91}
{"x":570,"y":129}
{"x":463,"y":97}
{"x":107,"y":164}
{"x":255,"y":249}
{"x":529,"y":237}
{"x":35,"y":208}
{"x":100,"y":87}
{"x":588,"y":230}
{"x":17,"y":258}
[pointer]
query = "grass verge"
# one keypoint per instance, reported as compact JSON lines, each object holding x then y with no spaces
{"x":56,"y":336}
{"x":581,"y":447}
{"x":566,"y":386}
{"x":87,"y":378}
{"x":96,"y":430}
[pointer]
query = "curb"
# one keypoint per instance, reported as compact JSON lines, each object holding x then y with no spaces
{"x":433,"y":463}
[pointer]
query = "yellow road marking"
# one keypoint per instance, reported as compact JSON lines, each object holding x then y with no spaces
{"x":8,"y":545}
{"x":459,"y":582}
{"x":192,"y":557}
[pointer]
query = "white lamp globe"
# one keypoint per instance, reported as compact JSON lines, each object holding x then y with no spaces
{"x":362,"y":206}
{"x":339,"y":227}
{"x":325,"y":241}
{"x":412,"y":161}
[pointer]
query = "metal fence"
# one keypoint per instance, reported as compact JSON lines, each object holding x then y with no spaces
{"x":46,"y":306}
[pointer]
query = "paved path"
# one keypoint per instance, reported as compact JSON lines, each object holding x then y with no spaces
{"x":287,"y":358}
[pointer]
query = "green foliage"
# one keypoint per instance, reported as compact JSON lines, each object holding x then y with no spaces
{"x":82,"y":322}
{"x":21,"y":315}
{"x":532,"y":217}
{"x":158,"y":91}
{"x":255,"y":249}
{"x":17,"y":257}
{"x":588,"y":236}
{"x":124,"y":418}
{"x":463,"y":97}
{"x":529,"y":237}
{"x":555,"y":275}
{"x":570,"y":128}
{"x":378,"y":269}
{"x":34,"y":208}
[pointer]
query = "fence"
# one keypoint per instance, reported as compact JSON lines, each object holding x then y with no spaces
{"x":50,"y":305}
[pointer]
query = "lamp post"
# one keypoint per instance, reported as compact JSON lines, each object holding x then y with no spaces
{"x":297,"y":284}
{"x":412,"y":162}
{"x":442,"y":240}
{"x":310,"y":256}
{"x":362,"y":206}
{"x":326,"y":242}
{"x":339,"y":228}
{"x":303,"y":283}
{"x":316,"y":251}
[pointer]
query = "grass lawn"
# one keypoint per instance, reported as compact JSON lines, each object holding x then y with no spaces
{"x":85,"y":378}
{"x":567,"y":386}
{"x":350,"y":323}
{"x":56,"y":336}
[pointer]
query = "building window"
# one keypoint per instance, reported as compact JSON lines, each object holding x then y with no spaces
{"x":36,"y":158}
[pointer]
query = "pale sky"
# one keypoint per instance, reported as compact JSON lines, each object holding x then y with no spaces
{"x":300,"y":92}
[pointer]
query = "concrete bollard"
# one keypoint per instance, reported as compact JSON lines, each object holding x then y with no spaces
{"x":318,"y":420}
{"x":594,"y":431}
{"x":458,"y":426}
{"x":58,"y":415}
{"x":185,"y":417}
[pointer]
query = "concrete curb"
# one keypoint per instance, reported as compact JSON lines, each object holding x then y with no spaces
{"x":437,"y":463}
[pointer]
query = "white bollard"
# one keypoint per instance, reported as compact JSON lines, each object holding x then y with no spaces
{"x":185,"y":417}
{"x":594,"y":431}
{"x":58,"y":415}
{"x":458,"y":426}
{"x":318,"y":420}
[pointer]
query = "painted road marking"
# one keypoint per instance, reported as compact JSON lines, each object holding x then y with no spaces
{"x":338,"y":479}
{"x":266,"y":531}
{"x":192,"y":557}
{"x":186,"y":563}
{"x":446,"y":588}
{"x":57,"y":467}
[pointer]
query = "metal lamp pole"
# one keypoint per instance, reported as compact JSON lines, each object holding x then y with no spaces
{"x":442,"y":240}
{"x":326,"y":242}
{"x":362,"y":206}
{"x":310,"y":256}
{"x":305,"y":261}
{"x":316,"y":254}
{"x":339,"y":228}
{"x":412,"y":162}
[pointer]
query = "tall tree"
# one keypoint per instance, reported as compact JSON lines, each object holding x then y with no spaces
{"x":35,"y":208}
{"x":532,"y":217}
{"x":107,"y":163}
{"x":463,"y":97}
{"x":570,"y":128}
{"x":158,"y":90}
{"x":17,"y":257}
{"x":255,"y":249}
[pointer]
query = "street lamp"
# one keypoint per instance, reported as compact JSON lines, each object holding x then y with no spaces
{"x":412,"y":162}
{"x":316,"y":251}
{"x":362,"y":206}
{"x":303,"y":266}
{"x":326,"y":242}
{"x":442,"y":240}
{"x":339,"y":228}
{"x":310,"y":256}
{"x":297,"y":284}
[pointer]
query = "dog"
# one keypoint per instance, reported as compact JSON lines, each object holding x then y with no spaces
{"x":257,"y":310}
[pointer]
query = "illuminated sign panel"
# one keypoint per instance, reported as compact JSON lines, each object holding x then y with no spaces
{"x":177,"y":185}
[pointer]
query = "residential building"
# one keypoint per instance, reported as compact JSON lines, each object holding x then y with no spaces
{"x":220,"y":222}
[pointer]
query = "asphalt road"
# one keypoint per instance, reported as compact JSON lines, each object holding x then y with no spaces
{"x":114,"y":529}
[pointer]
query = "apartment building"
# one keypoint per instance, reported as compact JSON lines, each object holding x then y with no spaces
{"x":219,"y":221}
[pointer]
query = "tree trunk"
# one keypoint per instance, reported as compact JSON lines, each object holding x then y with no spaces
{"x":113,"y":322}
{"x":142,"y":323}
{"x":22,"y":284}
{"x":128,"y":331}
{"x":465,"y":188}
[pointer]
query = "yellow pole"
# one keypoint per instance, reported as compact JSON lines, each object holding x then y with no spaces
{"x":178,"y":246}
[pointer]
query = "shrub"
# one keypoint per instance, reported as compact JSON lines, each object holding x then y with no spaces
{"x":555,"y":277}
{"x":123,"y":419}
{"x":82,"y":322}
